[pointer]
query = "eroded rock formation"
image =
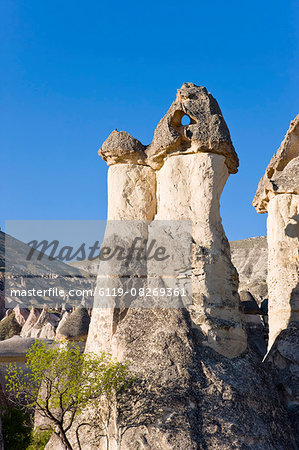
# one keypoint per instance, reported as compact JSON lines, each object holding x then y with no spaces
{"x":75,"y":325}
{"x":201,"y":387}
{"x":278,"y":194}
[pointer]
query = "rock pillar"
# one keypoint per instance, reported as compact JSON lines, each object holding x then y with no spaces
{"x":189,"y":187}
{"x":278,"y":195}
{"x":197,"y":386}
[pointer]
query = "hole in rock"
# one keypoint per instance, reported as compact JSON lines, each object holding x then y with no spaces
{"x":185,"y":120}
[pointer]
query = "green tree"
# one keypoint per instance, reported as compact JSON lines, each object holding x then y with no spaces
{"x":60,"y":381}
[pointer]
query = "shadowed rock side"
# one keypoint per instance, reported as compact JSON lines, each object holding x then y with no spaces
{"x":283,"y":359}
{"x":75,"y":326}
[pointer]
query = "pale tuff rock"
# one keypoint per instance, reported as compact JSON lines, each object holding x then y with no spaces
{"x":64,"y":316}
{"x":21,"y":315}
{"x":283,"y":358}
{"x":45,"y":326}
{"x":30,"y":322}
{"x":278,"y":194}
{"x":282,"y":174}
{"x":7,"y":313}
{"x":131,"y":188}
{"x":15,"y":348}
{"x":189,"y":187}
{"x":207,"y":132}
{"x":9,"y":327}
{"x":283,"y":263}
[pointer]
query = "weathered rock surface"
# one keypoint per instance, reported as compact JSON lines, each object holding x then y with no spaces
{"x":45,"y":326}
{"x":15,"y":347}
{"x":283,"y":358}
{"x":192,"y":396}
{"x":199,"y":385}
{"x":21,"y":315}
{"x":131,"y":187}
{"x":2,"y":296}
{"x":64,"y":316}
{"x":207,"y":132}
{"x":254,"y":323}
{"x":30,"y":322}
{"x":281,"y":174}
{"x":189,"y":188}
{"x":75,"y":326}
{"x":278,"y":194}
{"x":248,"y":303}
{"x":283,"y":271}
{"x":121,"y":147}
{"x":250,"y":258}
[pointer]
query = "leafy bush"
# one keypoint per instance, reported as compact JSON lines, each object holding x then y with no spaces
{"x":39,"y":439}
{"x":59,"y":382}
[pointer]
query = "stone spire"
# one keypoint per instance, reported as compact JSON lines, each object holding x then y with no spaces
{"x":278,"y":194}
{"x":199,"y":387}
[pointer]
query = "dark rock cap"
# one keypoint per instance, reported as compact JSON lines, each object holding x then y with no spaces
{"x":76,"y":325}
{"x":206,"y":132}
{"x":121,"y":147}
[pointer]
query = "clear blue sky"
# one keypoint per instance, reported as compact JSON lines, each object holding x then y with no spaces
{"x":72,"y":71}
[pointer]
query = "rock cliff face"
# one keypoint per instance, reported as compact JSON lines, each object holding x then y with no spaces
{"x":250,"y":258}
{"x":201,"y":385}
{"x":278,"y":194}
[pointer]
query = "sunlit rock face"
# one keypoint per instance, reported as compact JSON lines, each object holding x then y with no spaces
{"x":180,"y":176}
{"x":198,"y":385}
{"x":278,"y":195}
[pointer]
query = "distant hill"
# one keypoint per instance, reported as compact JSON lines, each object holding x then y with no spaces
{"x":43,"y":274}
{"x":249,"y":256}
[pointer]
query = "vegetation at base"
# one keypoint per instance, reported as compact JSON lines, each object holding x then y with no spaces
{"x":17,"y":431}
{"x":60,"y":381}
{"x":16,"y":428}
{"x":39,"y":439}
